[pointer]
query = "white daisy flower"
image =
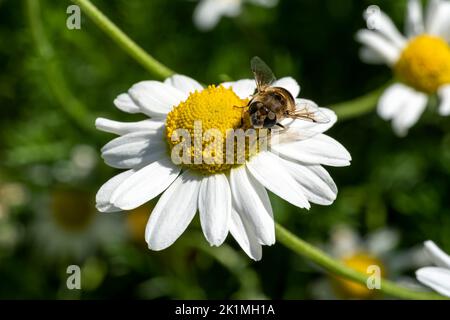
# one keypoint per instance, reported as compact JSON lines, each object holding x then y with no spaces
{"x":378,"y":248}
{"x":69,"y":227}
{"x":437,"y":278}
{"x":229,"y":198}
{"x":420,"y":60}
{"x":208,"y":13}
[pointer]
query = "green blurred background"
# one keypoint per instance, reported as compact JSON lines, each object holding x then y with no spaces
{"x":54,"y":82}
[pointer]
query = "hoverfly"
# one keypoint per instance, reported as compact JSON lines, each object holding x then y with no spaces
{"x":270,"y":105}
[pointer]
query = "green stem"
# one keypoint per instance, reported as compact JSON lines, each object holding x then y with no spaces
{"x":358,"y":106}
{"x":135,"y":51}
{"x":332,"y":266}
{"x":74,"y":109}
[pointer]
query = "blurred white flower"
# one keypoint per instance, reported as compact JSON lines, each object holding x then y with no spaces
{"x":378,"y":248}
{"x":67,"y":226}
{"x":438,"y":277}
{"x":80,"y":165}
{"x":208,"y":13}
{"x":230,"y":198}
{"x":421,"y":60}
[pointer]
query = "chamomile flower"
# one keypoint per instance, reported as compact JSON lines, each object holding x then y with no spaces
{"x":70,"y":228}
{"x":208,"y":13}
{"x":420,"y":60}
{"x":377,"y":251}
{"x":230,"y":198}
{"x":438,"y":277}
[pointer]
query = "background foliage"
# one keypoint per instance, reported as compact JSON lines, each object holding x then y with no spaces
{"x":51,"y":92}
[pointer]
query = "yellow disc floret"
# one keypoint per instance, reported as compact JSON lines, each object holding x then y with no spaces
{"x":424,"y":64}
{"x":361,"y":262}
{"x":202,"y":123}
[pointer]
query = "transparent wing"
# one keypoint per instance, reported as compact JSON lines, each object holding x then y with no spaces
{"x":290,"y":134}
{"x":309,"y":111}
{"x":263,"y":75}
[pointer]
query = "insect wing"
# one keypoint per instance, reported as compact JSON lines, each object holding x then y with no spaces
{"x":291,"y":134}
{"x":309,"y":111}
{"x":263,"y":75}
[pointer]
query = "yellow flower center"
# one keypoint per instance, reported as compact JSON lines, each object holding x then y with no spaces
{"x":425,"y":63}
{"x":361,"y":262}
{"x":199,"y":128}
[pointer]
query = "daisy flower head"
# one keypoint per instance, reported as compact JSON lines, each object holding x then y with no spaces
{"x":70,"y":228}
{"x":420,"y":60}
{"x":183,"y":153}
{"x":438,"y":277}
{"x":208,"y":13}
{"x":364,"y":254}
{"x":377,"y":253}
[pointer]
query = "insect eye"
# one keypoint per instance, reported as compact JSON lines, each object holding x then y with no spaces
{"x":253,"y":108}
{"x":269,"y":123}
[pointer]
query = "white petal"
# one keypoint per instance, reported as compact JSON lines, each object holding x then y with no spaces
{"x":184,"y":84}
{"x":135,"y":155}
{"x":122,"y":128}
{"x":103,"y":196}
{"x":214,"y":204}
{"x":145,"y":184}
{"x":370,"y":56}
{"x":289,"y":84}
{"x":155,"y":98}
{"x":382,"y":241}
{"x":265,"y":3}
{"x":134,"y":149}
{"x":436,"y":278}
{"x":439,"y":257}
{"x":432,"y":9}
{"x":252,"y":202}
{"x":128,"y":138}
{"x":414,"y":19}
{"x":444,"y":95}
{"x":344,"y":241}
{"x":320,"y":149}
{"x":126,"y":104}
{"x":380,"y":45}
{"x":245,"y":236}
{"x":173,"y":212}
{"x":309,"y":125}
{"x":386,"y":27}
{"x":268,"y":169}
{"x":208,"y":12}
{"x":392,"y":100}
{"x":409,"y":113}
{"x":438,"y":19}
{"x":243,"y":88}
{"x":317,"y":184}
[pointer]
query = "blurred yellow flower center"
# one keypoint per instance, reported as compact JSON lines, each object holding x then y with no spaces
{"x":205,"y":119}
{"x":352,"y":290}
{"x":136,"y":221}
{"x":72,"y":211}
{"x":424,"y":64}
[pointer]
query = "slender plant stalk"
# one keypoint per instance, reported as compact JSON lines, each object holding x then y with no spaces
{"x":345,"y":110}
{"x":332,"y":266}
{"x":73,"y":108}
{"x":130,"y":47}
{"x":358,"y":106}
